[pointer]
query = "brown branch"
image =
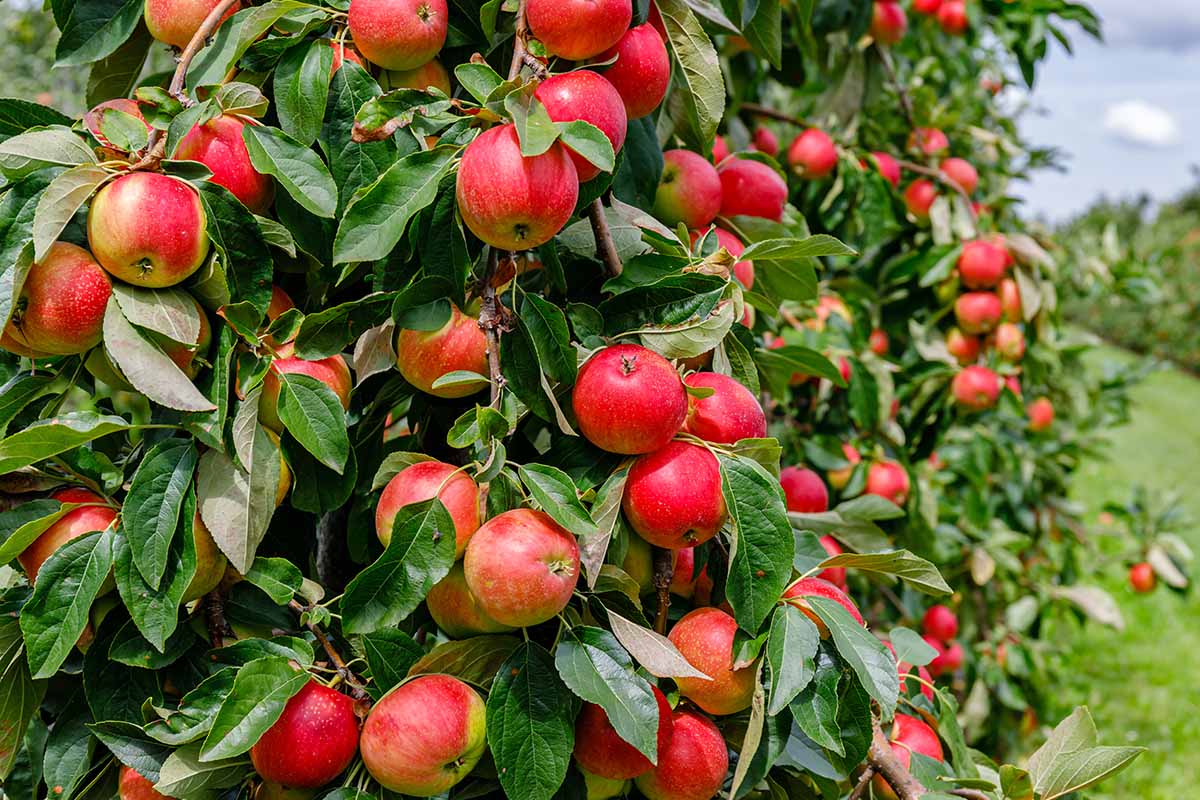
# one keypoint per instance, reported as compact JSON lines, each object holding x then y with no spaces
{"x":357,"y":689}
{"x":520,"y":47}
{"x":757,"y":110}
{"x":606,"y":249}
{"x":970,"y":794}
{"x":905,"y":101}
{"x":863,"y":781}
{"x":884,"y":761}
{"x":214,"y":617}
{"x":664,"y":571}
{"x":492,"y":321}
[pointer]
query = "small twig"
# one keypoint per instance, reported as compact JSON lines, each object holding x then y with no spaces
{"x":770,"y":113}
{"x":520,"y":47}
{"x":884,"y":761}
{"x":357,"y":689}
{"x":535,"y":66}
{"x":905,"y":101}
{"x":606,"y":249}
{"x":664,"y":571}
{"x":214,"y":617}
{"x":970,"y":794}
{"x":863,"y":781}
{"x":492,"y":321}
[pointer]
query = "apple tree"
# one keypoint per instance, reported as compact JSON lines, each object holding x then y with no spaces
{"x":463,"y":399}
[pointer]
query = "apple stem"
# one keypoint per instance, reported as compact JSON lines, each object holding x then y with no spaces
{"x":863,"y":782}
{"x":881,"y":758}
{"x":606,"y":249}
{"x":214,"y":607}
{"x":664,"y":571}
{"x":357,"y":689}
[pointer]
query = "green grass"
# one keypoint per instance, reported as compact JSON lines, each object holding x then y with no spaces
{"x":1142,"y":684}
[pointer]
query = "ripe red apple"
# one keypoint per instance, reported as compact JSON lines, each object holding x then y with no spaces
{"x":459,"y":345}
{"x":642,"y":71}
{"x":730,"y":413}
{"x":948,"y":660}
{"x":70,"y":526}
{"x":720,"y":149}
{"x":148,"y":229}
{"x":512,"y":202}
{"x":175,"y":22}
{"x":455,"y":609}
{"x":976,"y":388}
{"x":888,"y":22}
{"x":977,"y":312}
{"x":422,"y":481}
{"x":940,"y":623}
{"x":585,"y":95}
{"x":889,"y":480}
{"x":705,"y":638}
{"x":929,"y":141}
{"x":835,"y":575}
{"x":280,"y":303}
{"x":1013,"y":384}
{"x":952,"y":16}
{"x":331,"y":371}
{"x":60,"y":310}
{"x":887,"y":166}
{"x":342,"y":53}
{"x":629,"y":400}
{"x":878,"y":342}
{"x":1010,"y":300}
{"x":915,"y":734}
{"x":982,"y":264}
{"x":919,"y":198}
{"x":673,"y":496}
{"x":313,"y":741}
{"x":752,"y":189}
{"x":578,"y":29}
{"x":961,"y":173}
{"x":1010,"y":342}
{"x":838,"y":478}
{"x":601,"y":751}
{"x":93,"y":118}
{"x":132,"y":786}
{"x":765,"y":141}
{"x":743,"y":271}
{"x":689,"y":190}
{"x":1142,"y":578}
{"x":522,"y":567}
{"x":804,"y":490}
{"x":694,"y":764}
{"x":218,"y":145}
{"x":927,"y":7}
{"x":684,"y":580}
{"x":424,"y":736}
{"x":431,"y":73}
{"x":963,"y":347}
{"x":812,"y":154}
{"x":398,"y":34}
{"x":818,"y":587}
{"x":1041,"y":414}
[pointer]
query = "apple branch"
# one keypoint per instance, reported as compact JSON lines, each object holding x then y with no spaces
{"x":664,"y":571}
{"x":214,"y":618}
{"x":606,"y":249}
{"x":881,"y":758}
{"x":520,"y":45}
{"x":491,"y":320}
{"x":357,"y":689}
{"x":757,"y":110}
{"x":906,"y":105}
{"x":864,"y":780}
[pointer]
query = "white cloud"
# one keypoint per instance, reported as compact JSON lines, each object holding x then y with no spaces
{"x":1141,"y":123}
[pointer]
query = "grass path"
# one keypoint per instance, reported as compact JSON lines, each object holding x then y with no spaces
{"x":1143,"y":684}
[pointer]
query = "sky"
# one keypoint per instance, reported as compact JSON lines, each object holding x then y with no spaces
{"x":1126,"y":111}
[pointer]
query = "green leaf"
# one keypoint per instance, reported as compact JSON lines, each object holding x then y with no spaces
{"x":590,"y":142}
{"x":1070,"y":760}
{"x":244,"y":99}
{"x":49,"y":437}
{"x":278,"y":577}
{"x":260,"y":692}
{"x":673,"y":300}
{"x":236,"y":504}
{"x":147,"y":367}
{"x":150,"y":513}
{"x":18,"y":116}
{"x":865,"y":654}
{"x":910,"y":647}
{"x":480,"y":80}
{"x":34,"y":149}
{"x":328,"y":332}
{"x":783,"y":249}
{"x":95,"y":29}
{"x":530,"y":724}
{"x":313,"y":414}
{"x":778,"y":366}
{"x":764,"y":30}
{"x":419,"y":555}
{"x":56,"y":615}
{"x":18,"y":392}
{"x":197,"y":710}
{"x":593,"y":665}
{"x":238,"y":238}
{"x":185,"y":774}
{"x":155,"y":611}
{"x":65,"y":195}
{"x":760,"y":561}
{"x":754,"y":734}
{"x":21,"y":526}
{"x":475,"y":660}
{"x":547,"y":326}
{"x":555,"y":492}
{"x":69,"y":748}
{"x":536,"y":132}
{"x":132,"y":747}
{"x":791,"y":648}
{"x":233,"y":37}
{"x":129,"y":647}
{"x":20,"y":695}
{"x":170,"y":312}
{"x":699,"y":75}
{"x":656,"y":653}
{"x":379,"y":213}
{"x":244,"y":651}
{"x":916,"y":571}
{"x":606,"y":511}
{"x":390,"y":654}
{"x":297,"y":169}
{"x":815,"y":709}
{"x":301,"y":87}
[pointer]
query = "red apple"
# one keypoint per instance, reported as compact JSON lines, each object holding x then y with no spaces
{"x":927,"y":7}
{"x":982,"y":264}
{"x":835,"y":575}
{"x":313,"y":741}
{"x":148,"y":229}
{"x":1010,"y":300}
{"x":976,"y":388}
{"x":963,"y":347}
{"x":512,"y":202}
{"x":812,"y":154}
{"x":684,"y":580}
{"x":342,"y":53}
{"x":673,"y":496}
{"x":70,"y":526}
{"x":919,"y":198}
{"x":280,"y":303}
{"x":743,"y":271}
{"x":889,"y":480}
{"x":578,"y":29}
{"x":585,"y":95}
{"x":93,"y":118}
{"x":952,"y":16}
{"x":132,"y":786}
{"x":629,"y":400}
{"x":930,"y":141}
{"x":804,"y":490}
{"x":818,"y":587}
{"x":422,"y":481}
{"x":1013,"y":384}
{"x":218,"y":145}
{"x":424,"y":736}
{"x":398,"y":34}
{"x":752,"y":189}
{"x":459,"y":345}
{"x":694,"y":764}
{"x":455,"y":609}
{"x":1142,"y":578}
{"x":888,"y":22}
{"x":431,"y":73}
{"x":642,"y":71}
{"x":331,"y":371}
{"x":765,"y":141}
{"x":522,"y":567}
{"x":175,"y":22}
{"x":838,"y":478}
{"x":730,"y":413}
{"x":909,"y":735}
{"x":1010,"y":342}
{"x":949,"y":658}
{"x":601,"y":751}
{"x":705,"y":638}
{"x":888,"y":167}
{"x":720,"y":149}
{"x":878,"y":342}
{"x":1041,"y":414}
{"x":940,"y":623}
{"x":60,"y":310}
{"x":689,"y":190}
{"x":961,"y":173}
{"x":977,"y":312}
